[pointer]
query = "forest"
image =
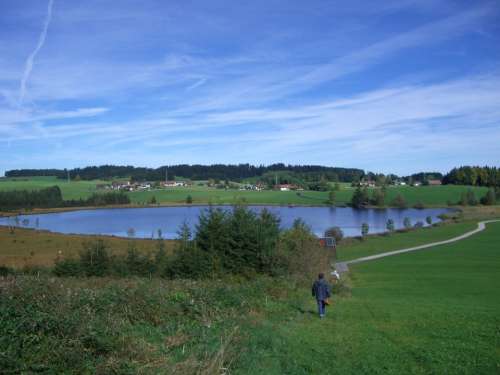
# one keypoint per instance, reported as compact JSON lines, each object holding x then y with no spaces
{"x":193,"y":172}
{"x":474,"y":176}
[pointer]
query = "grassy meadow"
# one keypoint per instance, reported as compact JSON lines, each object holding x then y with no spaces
{"x":432,"y":311}
{"x":427,"y":195}
{"x":69,"y":190}
{"x":33,"y":248}
{"x":352,"y":248}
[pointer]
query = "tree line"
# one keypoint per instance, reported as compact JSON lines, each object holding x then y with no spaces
{"x":475,"y":176}
{"x":51,"y":197}
{"x":237,"y":242}
{"x":195,"y":172}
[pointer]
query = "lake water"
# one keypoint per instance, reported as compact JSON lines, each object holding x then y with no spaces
{"x":146,"y":221}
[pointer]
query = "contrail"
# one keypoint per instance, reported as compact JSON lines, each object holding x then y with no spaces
{"x":31,"y":58}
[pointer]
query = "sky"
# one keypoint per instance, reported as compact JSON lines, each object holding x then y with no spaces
{"x":396,"y":86}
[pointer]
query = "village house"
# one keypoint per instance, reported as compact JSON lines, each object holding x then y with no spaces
{"x":173,"y":183}
{"x":286,"y":187}
{"x":434,"y":182}
{"x":369,"y":183}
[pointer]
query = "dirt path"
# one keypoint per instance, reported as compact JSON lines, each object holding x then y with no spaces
{"x":343,"y":266}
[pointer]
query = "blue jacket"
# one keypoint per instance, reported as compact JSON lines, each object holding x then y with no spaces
{"x":321,"y":290}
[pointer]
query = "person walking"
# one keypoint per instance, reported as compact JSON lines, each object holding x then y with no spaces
{"x":321,"y":290}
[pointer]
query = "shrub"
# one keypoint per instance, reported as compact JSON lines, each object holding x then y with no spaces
{"x":419,"y":205}
{"x":378,"y":197}
{"x":471,"y":198}
{"x":300,"y":252}
{"x":489,"y":198}
{"x":399,"y":202}
{"x":360,"y":198}
{"x":407,"y":222}
{"x":428,"y":220}
{"x":390,"y":225}
{"x":94,"y":259}
{"x":6,"y":271}
{"x":331,"y":197}
{"x":335,"y":232}
{"x":365,"y":228}
{"x":138,"y":264}
{"x":189,"y":199}
{"x":68,"y":267}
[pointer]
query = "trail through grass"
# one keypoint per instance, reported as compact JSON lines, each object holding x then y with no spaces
{"x":355,"y":248}
{"x":433,"y":311}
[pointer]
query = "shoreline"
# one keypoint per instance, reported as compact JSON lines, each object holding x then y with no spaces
{"x":450,"y":215}
{"x":40,"y":211}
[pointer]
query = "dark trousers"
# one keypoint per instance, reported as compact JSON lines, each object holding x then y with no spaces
{"x":321,"y":308}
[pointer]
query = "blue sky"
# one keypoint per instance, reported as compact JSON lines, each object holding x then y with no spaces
{"x":389,"y":86}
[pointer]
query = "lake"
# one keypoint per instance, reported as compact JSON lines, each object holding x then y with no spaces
{"x":145,"y":222}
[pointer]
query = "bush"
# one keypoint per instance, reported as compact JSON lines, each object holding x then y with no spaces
{"x":138,"y":264}
{"x":68,"y":267}
{"x":300,"y":253}
{"x":407,"y":223}
{"x":95,"y":259}
{"x":336,"y":233}
{"x":419,"y":224}
{"x":489,"y":198}
{"x":399,"y":202}
{"x":6,"y":271}
{"x":390,"y":225}
{"x":360,"y":198}
{"x":365,"y":228}
{"x":419,"y":205}
{"x":378,"y":197}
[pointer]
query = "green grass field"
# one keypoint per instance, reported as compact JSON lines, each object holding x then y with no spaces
{"x":434,"y":311}
{"x":428,"y":195}
{"x":71,"y":190}
{"x":354,"y":248}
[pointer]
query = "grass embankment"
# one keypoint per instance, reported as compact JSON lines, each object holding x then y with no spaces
{"x":30,"y":248}
{"x":427,"y":195}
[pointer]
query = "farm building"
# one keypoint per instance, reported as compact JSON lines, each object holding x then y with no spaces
{"x":434,"y":182}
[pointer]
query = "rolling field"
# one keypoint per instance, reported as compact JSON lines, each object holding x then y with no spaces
{"x":71,"y":190}
{"x":434,"y":311}
{"x":427,"y":195}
